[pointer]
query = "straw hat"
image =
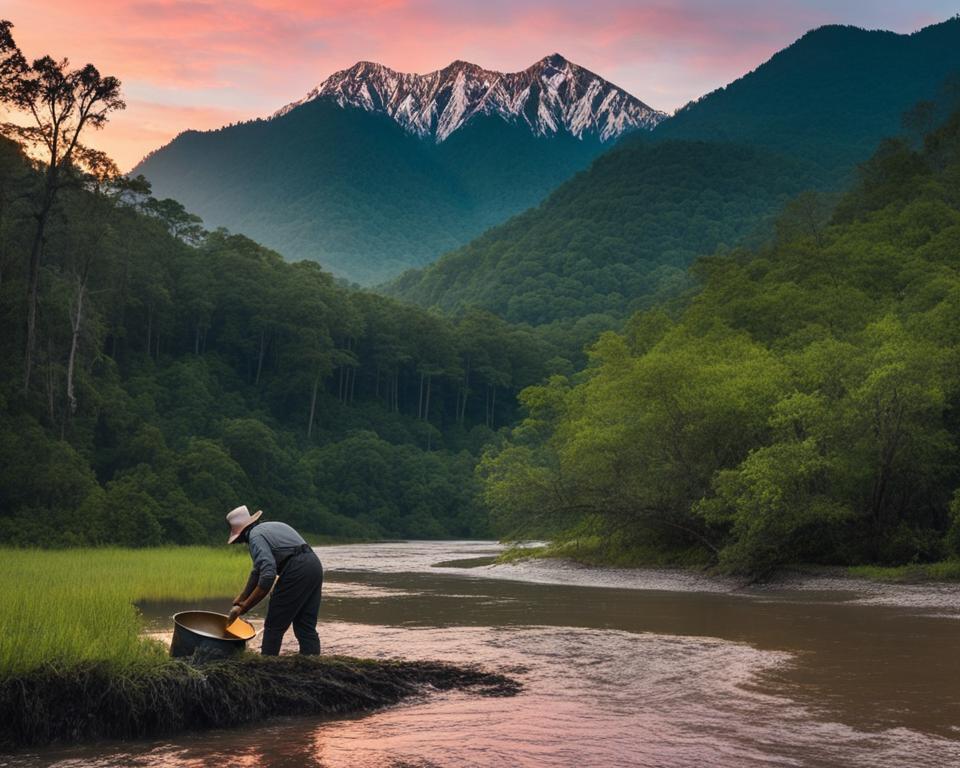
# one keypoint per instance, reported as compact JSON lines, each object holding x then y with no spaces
{"x":239,"y":520}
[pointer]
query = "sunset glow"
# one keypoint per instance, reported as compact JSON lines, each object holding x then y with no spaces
{"x":202,"y":64}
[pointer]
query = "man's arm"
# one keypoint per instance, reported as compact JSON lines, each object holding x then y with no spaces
{"x":252,"y":580}
{"x":265,"y":567}
{"x":255,"y":597}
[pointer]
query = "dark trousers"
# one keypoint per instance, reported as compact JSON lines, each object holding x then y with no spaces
{"x":295,"y":600}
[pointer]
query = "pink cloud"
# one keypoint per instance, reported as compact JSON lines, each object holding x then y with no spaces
{"x":199,"y":63}
{"x":144,"y":126}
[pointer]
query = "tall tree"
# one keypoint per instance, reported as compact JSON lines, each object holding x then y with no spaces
{"x":104,"y":187}
{"x":59,"y":103}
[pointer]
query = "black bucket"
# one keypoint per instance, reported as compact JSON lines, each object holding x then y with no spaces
{"x":206,"y":631}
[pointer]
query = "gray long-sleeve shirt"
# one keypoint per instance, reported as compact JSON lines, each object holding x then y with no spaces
{"x":270,"y":543}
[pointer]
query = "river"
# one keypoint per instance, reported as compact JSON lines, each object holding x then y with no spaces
{"x":620,"y":668}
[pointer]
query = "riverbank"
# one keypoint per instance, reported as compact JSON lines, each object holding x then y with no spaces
{"x":592,"y":553}
{"x":103,"y":700}
{"x":75,"y":664}
{"x":914,"y":587}
{"x":591,"y":550}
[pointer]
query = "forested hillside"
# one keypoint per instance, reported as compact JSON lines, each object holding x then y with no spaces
{"x":615,"y":237}
{"x":357,"y":193}
{"x":178,"y":373}
{"x":620,"y":235}
{"x":831,"y":96}
{"x":802,"y":407}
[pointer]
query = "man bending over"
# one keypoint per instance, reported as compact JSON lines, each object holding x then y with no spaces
{"x":280,"y":557}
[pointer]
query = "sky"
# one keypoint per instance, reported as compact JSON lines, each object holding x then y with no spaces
{"x":202,"y":64}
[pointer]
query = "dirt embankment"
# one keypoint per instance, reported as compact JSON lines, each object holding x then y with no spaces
{"x":98,"y":701}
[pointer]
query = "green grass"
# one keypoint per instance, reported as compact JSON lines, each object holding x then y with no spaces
{"x":945,"y":570}
{"x":74,"y":667}
{"x":77,"y":605}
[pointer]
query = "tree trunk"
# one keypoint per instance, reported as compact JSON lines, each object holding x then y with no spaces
{"x":120,"y":315}
{"x":493,"y":408}
{"x":196,"y":340}
{"x":466,"y":392}
{"x":149,"y":328}
{"x":426,"y":407}
{"x":888,"y":453}
{"x":313,"y":406}
{"x":50,"y":388}
{"x":420,"y":398}
{"x":33,"y":290}
{"x":260,"y":359}
{"x":75,"y":322}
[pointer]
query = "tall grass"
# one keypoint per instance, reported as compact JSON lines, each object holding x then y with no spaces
{"x":78,"y":605}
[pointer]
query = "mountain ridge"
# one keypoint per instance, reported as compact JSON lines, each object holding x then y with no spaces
{"x":397,"y":169}
{"x":829,"y":96}
{"x":550,"y":96}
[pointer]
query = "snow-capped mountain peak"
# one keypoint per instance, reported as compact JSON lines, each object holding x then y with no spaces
{"x":551,"y":96}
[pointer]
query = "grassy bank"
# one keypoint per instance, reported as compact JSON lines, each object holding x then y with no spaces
{"x":96,"y":700}
{"x":74,"y":666}
{"x":77,"y":605}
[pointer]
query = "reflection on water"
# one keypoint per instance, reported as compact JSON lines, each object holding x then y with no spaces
{"x":613,"y":676}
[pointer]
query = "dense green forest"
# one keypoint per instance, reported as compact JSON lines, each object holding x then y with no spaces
{"x":614,"y":238}
{"x":177,"y":373}
{"x":803,"y":406}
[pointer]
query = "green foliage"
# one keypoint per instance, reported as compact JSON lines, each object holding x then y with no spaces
{"x":614,"y":237}
{"x":208,"y":372}
{"x":396,"y":489}
{"x":800,"y":408}
{"x":944,"y":570}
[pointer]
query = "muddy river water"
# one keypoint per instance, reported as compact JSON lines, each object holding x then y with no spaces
{"x":620,"y":668}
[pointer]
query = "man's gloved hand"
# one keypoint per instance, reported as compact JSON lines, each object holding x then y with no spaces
{"x":234,"y":614}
